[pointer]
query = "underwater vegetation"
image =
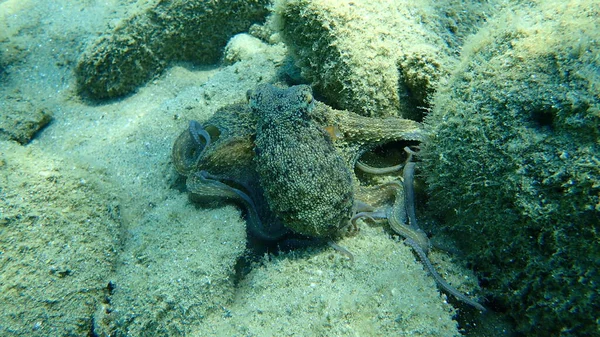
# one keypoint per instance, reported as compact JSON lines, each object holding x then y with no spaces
{"x":144,"y":44}
{"x":512,"y":161}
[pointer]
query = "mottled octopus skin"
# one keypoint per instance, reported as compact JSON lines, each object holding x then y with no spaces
{"x":306,"y":181}
{"x":216,"y":157}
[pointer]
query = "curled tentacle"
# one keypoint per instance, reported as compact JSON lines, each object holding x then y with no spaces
{"x":404,"y":207}
{"x":373,"y":216}
{"x":414,"y":236}
{"x":364,"y":210}
{"x":438,"y":279}
{"x":341,"y":250}
{"x":189,"y":148}
{"x":360,"y":206}
{"x":377,"y":170}
{"x":408,"y":176}
{"x":396,"y":215}
{"x":196,"y":130}
{"x":207,"y":184}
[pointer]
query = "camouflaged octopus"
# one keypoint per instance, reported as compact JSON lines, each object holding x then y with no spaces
{"x":305,"y":180}
{"x":290,"y":160}
{"x":286,"y":157}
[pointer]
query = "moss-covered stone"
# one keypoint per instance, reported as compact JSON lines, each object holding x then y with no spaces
{"x":20,"y":119}
{"x":142,"y":45}
{"x":374,"y":58}
{"x":513,"y":164}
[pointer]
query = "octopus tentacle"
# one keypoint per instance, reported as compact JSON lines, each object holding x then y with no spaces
{"x":438,"y":279}
{"x":408,"y":176}
{"x":373,"y":216}
{"x":404,"y":207}
{"x":402,"y":218}
{"x":415,"y":237}
{"x":341,"y":250}
{"x":377,"y":170}
{"x":189,"y":148}
{"x":255,"y":225}
{"x":196,"y":130}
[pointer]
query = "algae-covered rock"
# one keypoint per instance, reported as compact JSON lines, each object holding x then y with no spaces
{"x":513,"y":163}
{"x":371,"y":57}
{"x":59,"y":234}
{"x":318,"y":292}
{"x":142,"y":45}
{"x":20,"y":120}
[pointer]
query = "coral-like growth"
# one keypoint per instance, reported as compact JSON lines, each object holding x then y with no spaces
{"x":373,"y":58}
{"x":144,"y":44}
{"x":512,"y":163}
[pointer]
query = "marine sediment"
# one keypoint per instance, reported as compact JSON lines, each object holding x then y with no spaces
{"x":59,"y":227}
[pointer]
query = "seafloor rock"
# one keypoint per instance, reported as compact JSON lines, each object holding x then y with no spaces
{"x":318,"y":292}
{"x":143,"y":45}
{"x":172,"y":274}
{"x":59,"y":232}
{"x":513,"y":164}
{"x":374,"y":58}
{"x":20,"y":120}
{"x":245,"y":47}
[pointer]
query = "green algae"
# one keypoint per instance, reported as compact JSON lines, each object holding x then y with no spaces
{"x":144,"y":44}
{"x":512,"y":163}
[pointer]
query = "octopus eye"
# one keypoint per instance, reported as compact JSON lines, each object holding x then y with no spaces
{"x":309,"y":98}
{"x":213,"y":132}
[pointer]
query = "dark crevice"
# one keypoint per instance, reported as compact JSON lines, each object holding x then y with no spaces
{"x":543,"y":118}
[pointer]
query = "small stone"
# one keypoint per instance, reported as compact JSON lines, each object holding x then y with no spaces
{"x":20,"y":120}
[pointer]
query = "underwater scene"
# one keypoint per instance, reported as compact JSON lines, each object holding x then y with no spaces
{"x":299,"y":168}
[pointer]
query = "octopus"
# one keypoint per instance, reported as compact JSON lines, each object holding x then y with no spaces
{"x":290,"y":160}
{"x":305,"y":180}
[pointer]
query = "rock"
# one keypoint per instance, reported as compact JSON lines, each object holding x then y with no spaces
{"x":513,"y":159}
{"x":142,"y":45}
{"x":20,"y":119}
{"x":374,"y":58}
{"x":243,"y":47}
{"x":318,"y":292}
